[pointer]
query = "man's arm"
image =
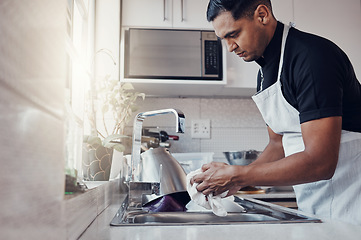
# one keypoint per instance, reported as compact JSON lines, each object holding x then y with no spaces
{"x":274,"y":149}
{"x":317,"y":162}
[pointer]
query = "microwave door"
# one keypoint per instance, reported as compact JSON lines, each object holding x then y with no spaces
{"x":164,"y":54}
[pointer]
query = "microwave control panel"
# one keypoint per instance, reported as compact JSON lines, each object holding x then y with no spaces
{"x":212,"y":55}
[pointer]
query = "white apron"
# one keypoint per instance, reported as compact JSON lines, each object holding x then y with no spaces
{"x":337,"y":198}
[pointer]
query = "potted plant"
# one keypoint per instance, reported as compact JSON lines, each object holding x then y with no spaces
{"x":119,"y":100}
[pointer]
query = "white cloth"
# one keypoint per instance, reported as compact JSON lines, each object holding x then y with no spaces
{"x":337,"y":198}
{"x":210,"y":202}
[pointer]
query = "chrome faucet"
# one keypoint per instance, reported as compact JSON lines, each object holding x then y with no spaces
{"x":137,"y":136}
{"x":138,"y":188}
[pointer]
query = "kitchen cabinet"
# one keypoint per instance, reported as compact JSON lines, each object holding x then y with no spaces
{"x":332,"y":19}
{"x":190,"y":14}
{"x":239,"y":76}
{"x":336,"y":20}
{"x":167,"y":14}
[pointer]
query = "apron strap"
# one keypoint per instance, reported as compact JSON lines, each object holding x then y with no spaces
{"x":284,"y":38}
{"x":262,"y":79}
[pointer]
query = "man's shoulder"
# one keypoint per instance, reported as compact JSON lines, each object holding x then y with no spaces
{"x":311,"y":46}
{"x":308,"y":40}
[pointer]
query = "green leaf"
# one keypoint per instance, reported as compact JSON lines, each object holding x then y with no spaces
{"x":118,"y":98}
{"x":109,"y":141}
{"x":141,"y":95}
{"x":127,"y":86}
{"x":91,"y":139}
{"x":119,"y":147}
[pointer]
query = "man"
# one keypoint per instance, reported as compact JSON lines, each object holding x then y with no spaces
{"x":310,"y":99}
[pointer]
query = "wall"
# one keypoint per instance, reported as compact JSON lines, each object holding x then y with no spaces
{"x":107,"y":37}
{"x":236,"y":124}
{"x":32,"y":79}
{"x":336,"y":20}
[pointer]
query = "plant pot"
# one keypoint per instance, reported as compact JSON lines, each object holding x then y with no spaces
{"x":97,"y":162}
{"x":117,"y":164}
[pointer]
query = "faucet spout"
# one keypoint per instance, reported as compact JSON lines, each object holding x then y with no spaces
{"x":137,"y":136}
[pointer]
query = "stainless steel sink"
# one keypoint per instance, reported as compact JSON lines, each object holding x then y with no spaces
{"x":197,"y":218}
{"x":255,"y":212}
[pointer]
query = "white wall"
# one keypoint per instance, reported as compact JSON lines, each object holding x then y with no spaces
{"x":336,"y":20}
{"x":107,"y":33}
{"x":32,"y":79}
{"x":236,"y":124}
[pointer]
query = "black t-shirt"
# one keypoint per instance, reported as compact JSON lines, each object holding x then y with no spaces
{"x":317,"y":77}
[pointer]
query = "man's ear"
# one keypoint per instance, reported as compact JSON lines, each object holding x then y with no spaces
{"x":263,"y":14}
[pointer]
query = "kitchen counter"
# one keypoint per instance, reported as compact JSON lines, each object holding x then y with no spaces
{"x":100,"y":229}
{"x":283,"y":198}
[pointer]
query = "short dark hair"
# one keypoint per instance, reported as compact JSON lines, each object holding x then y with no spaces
{"x":238,"y":8}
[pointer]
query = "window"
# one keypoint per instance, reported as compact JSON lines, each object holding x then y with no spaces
{"x":80,"y":52}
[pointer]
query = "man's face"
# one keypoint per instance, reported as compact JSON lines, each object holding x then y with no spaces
{"x":245,"y":37}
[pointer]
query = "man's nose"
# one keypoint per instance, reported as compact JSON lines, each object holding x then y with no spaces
{"x":231,"y":45}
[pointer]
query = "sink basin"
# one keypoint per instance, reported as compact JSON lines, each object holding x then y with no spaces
{"x":197,"y":218}
{"x":255,"y":212}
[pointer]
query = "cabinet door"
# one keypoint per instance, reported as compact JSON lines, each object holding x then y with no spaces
{"x":190,"y":14}
{"x":147,"y":13}
{"x":336,"y":20}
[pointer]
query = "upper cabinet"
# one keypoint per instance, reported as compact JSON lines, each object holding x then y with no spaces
{"x":189,"y":14}
{"x":336,"y":20}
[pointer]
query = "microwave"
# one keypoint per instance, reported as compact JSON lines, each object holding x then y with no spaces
{"x":172,"y":54}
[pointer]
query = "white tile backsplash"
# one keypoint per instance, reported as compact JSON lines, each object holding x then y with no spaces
{"x":191,"y":107}
{"x":231,"y":113}
{"x":234,"y":139}
{"x":236,"y":124}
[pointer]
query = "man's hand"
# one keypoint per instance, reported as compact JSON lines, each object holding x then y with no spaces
{"x":217,"y":177}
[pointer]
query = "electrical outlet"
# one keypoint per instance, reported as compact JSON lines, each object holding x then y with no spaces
{"x":201,"y":128}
